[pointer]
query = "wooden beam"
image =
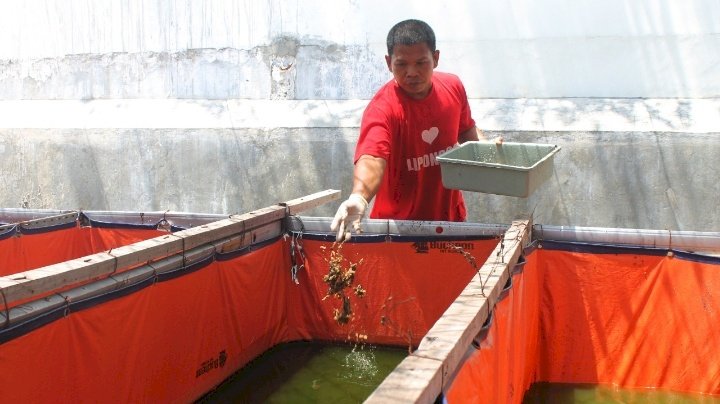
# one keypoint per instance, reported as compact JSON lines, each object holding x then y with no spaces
{"x":308,"y":202}
{"x":39,"y":282}
{"x":145,"y":251}
{"x":253,"y":236}
{"x":444,"y":346}
{"x":236,"y":224}
{"x":414,"y":380}
{"x":63,"y":218}
{"x":49,"y":220}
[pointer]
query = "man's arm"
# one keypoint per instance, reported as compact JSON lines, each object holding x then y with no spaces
{"x":368,"y":175}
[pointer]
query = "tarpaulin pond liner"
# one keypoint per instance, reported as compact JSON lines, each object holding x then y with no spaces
{"x":170,"y":330}
{"x":624,"y":307}
{"x":579,"y":313}
{"x":160,"y":314}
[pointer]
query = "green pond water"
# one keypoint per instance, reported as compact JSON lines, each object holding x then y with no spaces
{"x":314,"y":372}
{"x":310,"y":372}
{"x":557,"y":393}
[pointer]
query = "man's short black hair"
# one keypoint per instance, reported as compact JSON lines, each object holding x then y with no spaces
{"x":410,"y":32}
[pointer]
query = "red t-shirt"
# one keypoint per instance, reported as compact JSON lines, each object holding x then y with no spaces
{"x":409,"y":134}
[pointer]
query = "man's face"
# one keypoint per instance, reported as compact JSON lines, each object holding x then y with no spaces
{"x":412,"y":66}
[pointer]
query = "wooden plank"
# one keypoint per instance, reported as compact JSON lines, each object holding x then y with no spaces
{"x":238,"y":224}
{"x":145,"y":251}
{"x":260,"y":217}
{"x":448,"y":339}
{"x":63,"y":218}
{"x":256,"y":235}
{"x":298,"y":205}
{"x":37,"y":282}
{"x":6,"y":282}
{"x":225,"y":228}
{"x":49,"y":221}
{"x":414,"y":380}
{"x":481,"y":293}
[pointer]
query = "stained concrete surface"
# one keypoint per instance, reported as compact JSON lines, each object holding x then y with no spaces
{"x":314,"y":49}
{"x":629,"y":163}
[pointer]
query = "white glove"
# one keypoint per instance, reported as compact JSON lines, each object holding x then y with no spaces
{"x":350,"y":211}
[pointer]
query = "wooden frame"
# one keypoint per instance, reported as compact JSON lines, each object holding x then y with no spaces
{"x":39,"y":282}
{"x":421,"y":376}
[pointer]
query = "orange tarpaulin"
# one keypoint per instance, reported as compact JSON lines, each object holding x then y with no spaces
{"x":631,"y":319}
{"x":173,"y":338}
{"x":170,"y":341}
{"x":23,"y":252}
{"x":409,"y":285}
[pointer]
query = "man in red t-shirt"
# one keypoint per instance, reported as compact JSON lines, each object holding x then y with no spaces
{"x":409,"y":122}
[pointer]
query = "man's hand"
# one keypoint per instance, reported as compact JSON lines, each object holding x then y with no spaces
{"x":351,"y":211}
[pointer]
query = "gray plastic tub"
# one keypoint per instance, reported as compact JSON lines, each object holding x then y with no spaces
{"x":513,"y":169}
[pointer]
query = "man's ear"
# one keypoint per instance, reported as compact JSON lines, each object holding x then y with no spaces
{"x":436,"y":57}
{"x":388,"y":60}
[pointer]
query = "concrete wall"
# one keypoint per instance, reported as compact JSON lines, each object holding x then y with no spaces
{"x":227,"y":106}
{"x":637,"y":163}
{"x":315,"y":49}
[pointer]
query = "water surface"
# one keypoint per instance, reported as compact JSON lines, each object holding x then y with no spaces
{"x":559,"y":393}
{"x":310,"y":372}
